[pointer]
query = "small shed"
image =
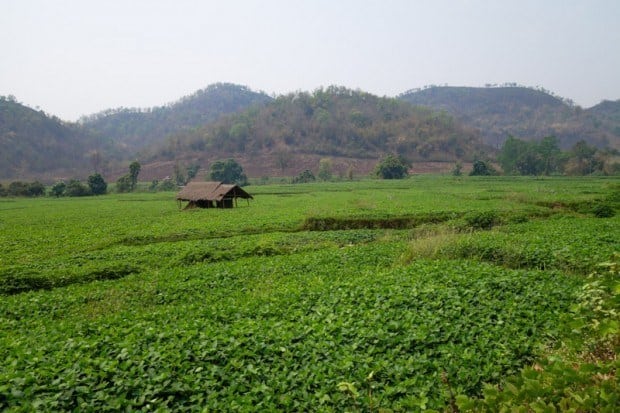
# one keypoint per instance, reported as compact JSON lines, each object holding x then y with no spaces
{"x":211,"y":195}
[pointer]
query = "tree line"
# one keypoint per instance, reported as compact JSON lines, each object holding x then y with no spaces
{"x":544,"y":157}
{"x":95,"y":185}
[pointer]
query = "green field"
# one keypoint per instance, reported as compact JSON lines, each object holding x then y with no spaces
{"x":400,"y":295}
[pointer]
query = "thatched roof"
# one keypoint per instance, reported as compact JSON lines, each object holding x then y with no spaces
{"x":211,"y":191}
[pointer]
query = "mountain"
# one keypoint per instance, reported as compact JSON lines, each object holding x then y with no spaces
{"x":524,"y":113}
{"x":32,"y":144}
{"x":332,"y":122}
{"x":135,"y":129}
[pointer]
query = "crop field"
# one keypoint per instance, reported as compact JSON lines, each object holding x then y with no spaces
{"x":404,"y":295}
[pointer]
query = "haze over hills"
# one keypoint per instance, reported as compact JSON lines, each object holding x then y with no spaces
{"x":331,"y":122}
{"x":35,"y":144}
{"x":135,"y":129}
{"x":525,"y":113}
{"x":356,"y":127}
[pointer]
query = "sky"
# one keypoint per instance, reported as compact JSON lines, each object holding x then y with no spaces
{"x":77,"y":57}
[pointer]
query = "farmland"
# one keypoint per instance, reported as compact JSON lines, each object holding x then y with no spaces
{"x":348,"y":296}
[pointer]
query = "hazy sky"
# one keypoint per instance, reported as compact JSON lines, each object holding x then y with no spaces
{"x":77,"y":57}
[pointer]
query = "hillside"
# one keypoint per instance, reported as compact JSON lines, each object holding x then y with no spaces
{"x":332,"y":122}
{"x":523,"y":113}
{"x":33,"y":144}
{"x":606,"y":115}
{"x":137,"y":128}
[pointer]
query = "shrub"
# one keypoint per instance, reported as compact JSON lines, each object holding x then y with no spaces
{"x":97,"y":184}
{"x":481,"y":168}
{"x":603,"y":210}
{"x":304,"y":177}
{"x":228,"y":172}
{"x":482,"y":220}
{"x":76,"y":188}
{"x":58,"y":189}
{"x":18,"y":188}
{"x":167,"y":185}
{"x":392,"y":167}
{"x":124,"y":184}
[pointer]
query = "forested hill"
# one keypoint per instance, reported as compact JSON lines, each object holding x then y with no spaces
{"x":329,"y":122}
{"x":137,"y":128}
{"x":33,"y":143}
{"x":607,"y":116}
{"x":524,"y":113}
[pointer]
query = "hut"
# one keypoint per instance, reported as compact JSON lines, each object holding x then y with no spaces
{"x":211,"y":195}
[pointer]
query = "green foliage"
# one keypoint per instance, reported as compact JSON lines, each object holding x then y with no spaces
{"x":36,"y":188}
{"x":482,"y":220}
{"x":124,"y":184}
{"x":167,"y":185}
{"x":392,"y":167}
{"x":24,"y":189}
{"x":18,"y":188}
{"x":58,"y":189}
{"x":228,"y":171}
{"x":583,"y":160}
{"x":576,"y":380}
{"x":603,"y":210}
{"x":325,"y":169}
{"x":179,"y":176}
{"x":137,"y":306}
{"x":192,"y":170}
{"x":97,"y":184}
{"x":304,"y":177}
{"x":76,"y":188}
{"x":458,"y":169}
{"x":134,"y":171}
{"x":482,"y":168}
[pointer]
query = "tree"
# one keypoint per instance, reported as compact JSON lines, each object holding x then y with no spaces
{"x":457,"y":170}
{"x":123,"y":184}
{"x":529,"y":163}
{"x":134,"y":171}
{"x":550,"y":154}
{"x":18,"y":188}
{"x":304,"y":177}
{"x":76,"y":188}
{"x":481,"y":168}
{"x":167,"y":185}
{"x":392,"y":167}
{"x":97,"y":184}
{"x":36,"y":188}
{"x":530,"y":158}
{"x":2,"y":190}
{"x":511,"y":151}
{"x":582,"y":159}
{"x":325,"y":169}
{"x":192,"y":171}
{"x":58,"y":189}
{"x":228,"y":172}
{"x":179,"y":176}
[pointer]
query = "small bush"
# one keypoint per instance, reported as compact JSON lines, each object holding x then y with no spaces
{"x":304,"y":177}
{"x":482,"y":220}
{"x":603,"y":210}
